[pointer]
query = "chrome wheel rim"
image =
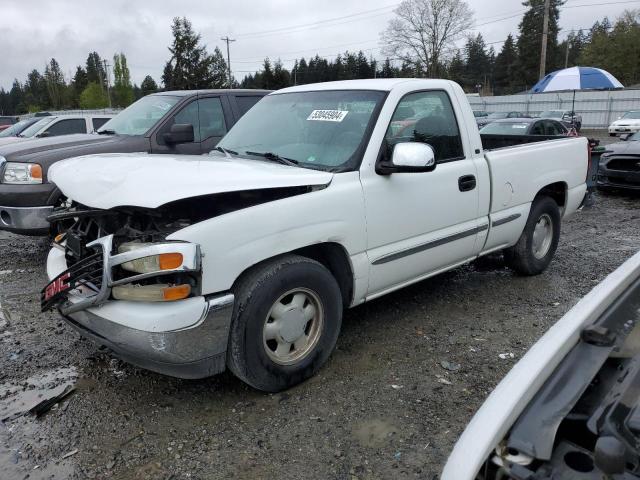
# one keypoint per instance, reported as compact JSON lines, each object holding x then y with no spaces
{"x":542,"y":236}
{"x":293,"y":326}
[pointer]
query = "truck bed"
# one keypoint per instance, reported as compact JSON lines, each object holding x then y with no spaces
{"x":493,"y":142}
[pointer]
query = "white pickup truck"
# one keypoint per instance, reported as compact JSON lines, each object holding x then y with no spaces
{"x":321,"y":197}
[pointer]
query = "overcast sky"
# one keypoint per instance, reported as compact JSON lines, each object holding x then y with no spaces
{"x":33,"y":31}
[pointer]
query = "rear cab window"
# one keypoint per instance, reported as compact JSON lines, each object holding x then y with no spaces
{"x":426,"y":117}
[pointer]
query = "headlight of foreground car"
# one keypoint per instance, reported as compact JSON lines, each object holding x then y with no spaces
{"x":22,"y":173}
{"x":150,"y":264}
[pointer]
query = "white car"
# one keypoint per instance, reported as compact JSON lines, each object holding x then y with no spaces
{"x":569,"y":408}
{"x":312,"y":203}
{"x":627,"y":123}
{"x":55,"y":125}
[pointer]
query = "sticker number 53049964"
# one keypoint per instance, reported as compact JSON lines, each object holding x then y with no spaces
{"x":328,"y":115}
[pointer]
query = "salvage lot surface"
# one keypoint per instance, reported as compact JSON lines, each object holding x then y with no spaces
{"x":409,"y":372}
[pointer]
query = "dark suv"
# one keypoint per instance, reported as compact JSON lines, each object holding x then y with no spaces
{"x":181,"y":122}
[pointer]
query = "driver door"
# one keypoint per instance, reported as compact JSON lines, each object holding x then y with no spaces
{"x":419,"y":223}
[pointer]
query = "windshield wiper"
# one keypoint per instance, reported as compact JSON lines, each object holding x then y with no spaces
{"x":226,"y":151}
{"x":106,"y":132}
{"x":275,"y":157}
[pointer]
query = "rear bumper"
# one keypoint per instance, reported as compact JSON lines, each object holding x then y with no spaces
{"x":197,"y":351}
{"x":25,"y":220}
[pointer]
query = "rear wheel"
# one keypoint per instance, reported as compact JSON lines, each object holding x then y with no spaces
{"x":286,"y":322}
{"x":539,"y":240}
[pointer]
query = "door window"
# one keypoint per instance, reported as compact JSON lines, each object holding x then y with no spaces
{"x":426,"y":117}
{"x":188,"y":115}
{"x":67,"y":127}
{"x":211,"y":116}
{"x":538,"y":129}
{"x":98,"y":122}
{"x":246,"y":102}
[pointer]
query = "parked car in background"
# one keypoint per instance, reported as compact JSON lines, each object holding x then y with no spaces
{"x":492,"y":117}
{"x":480,"y":114}
{"x":569,"y":409}
{"x":567,"y":116}
{"x":620,"y":164}
{"x":6,"y":122}
{"x":525,"y":126}
{"x":246,"y":258}
{"x":627,"y":123}
{"x":169,"y":122}
{"x":57,"y":125}
{"x":17,"y":128}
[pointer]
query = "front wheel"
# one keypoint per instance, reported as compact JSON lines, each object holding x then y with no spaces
{"x":286,"y":322}
{"x":539,"y":240}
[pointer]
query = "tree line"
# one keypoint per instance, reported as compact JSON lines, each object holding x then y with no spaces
{"x":415,"y":43}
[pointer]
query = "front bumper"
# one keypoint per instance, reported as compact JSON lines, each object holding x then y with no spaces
{"x":619,"y":129}
{"x":184,"y":338}
{"x":197,"y":351}
{"x":25,"y":220}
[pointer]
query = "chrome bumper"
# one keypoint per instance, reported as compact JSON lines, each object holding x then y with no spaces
{"x":24,"y":219}
{"x":197,"y":351}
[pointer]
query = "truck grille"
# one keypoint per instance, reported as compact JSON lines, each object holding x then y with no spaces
{"x":629,"y":164}
{"x":88,"y":273}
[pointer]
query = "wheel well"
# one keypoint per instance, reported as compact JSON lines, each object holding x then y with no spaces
{"x":557,"y":191}
{"x":335,"y":258}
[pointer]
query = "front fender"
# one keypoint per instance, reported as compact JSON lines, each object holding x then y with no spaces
{"x":236,"y":241}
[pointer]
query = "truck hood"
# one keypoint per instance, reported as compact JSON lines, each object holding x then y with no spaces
{"x":17,"y":146}
{"x":144,"y":180}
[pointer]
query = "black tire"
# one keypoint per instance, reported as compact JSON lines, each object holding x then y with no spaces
{"x":256,"y":292}
{"x":612,"y":134}
{"x":578,"y":127}
{"x":521,"y":257}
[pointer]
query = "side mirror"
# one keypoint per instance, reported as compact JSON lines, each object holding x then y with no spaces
{"x":625,"y":136}
{"x":409,"y":157}
{"x":43,"y":135}
{"x":179,"y":133}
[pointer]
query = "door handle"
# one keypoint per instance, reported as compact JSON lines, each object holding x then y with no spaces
{"x":467,"y":183}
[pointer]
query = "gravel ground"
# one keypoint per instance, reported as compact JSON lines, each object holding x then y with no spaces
{"x":384,"y":407}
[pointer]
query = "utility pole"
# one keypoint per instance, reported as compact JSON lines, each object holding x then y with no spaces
{"x":228,"y":40}
{"x":545,"y":37}
{"x":106,"y":71}
{"x":566,"y":55}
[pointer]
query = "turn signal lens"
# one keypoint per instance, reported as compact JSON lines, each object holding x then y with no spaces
{"x":177,"y":292}
{"x":151,"y":293}
{"x":169,"y":261}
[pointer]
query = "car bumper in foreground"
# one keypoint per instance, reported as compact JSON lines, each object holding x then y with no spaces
{"x":197,"y":351}
{"x":25,"y":220}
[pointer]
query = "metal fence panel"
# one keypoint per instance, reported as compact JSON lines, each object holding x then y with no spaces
{"x":598,"y":108}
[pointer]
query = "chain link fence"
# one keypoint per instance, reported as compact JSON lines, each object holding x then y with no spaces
{"x":598,"y":108}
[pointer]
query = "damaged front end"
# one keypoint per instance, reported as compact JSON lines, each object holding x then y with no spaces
{"x":117,"y":279}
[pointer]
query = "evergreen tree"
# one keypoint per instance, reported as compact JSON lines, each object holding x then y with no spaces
{"x":505,"y":72}
{"x":148,"y":86}
{"x":530,"y":41}
{"x":190,"y":66}
{"x":95,"y":70}
{"x":219,"y":72}
{"x":55,"y":84}
{"x":478,"y":63}
{"x":457,"y":69}
{"x":36,"y":97}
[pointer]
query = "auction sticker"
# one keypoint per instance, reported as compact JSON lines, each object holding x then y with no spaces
{"x":328,"y":115}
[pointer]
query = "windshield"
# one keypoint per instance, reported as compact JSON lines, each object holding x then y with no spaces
{"x":498,"y":115}
{"x":552,"y":114}
{"x":632,"y":115}
{"x":14,"y":129}
{"x":139,"y":117}
{"x":36,"y":127}
{"x":321,"y":130}
{"x":505,"y":128}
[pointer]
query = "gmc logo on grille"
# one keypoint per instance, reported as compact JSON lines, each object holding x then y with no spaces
{"x":57,"y":286}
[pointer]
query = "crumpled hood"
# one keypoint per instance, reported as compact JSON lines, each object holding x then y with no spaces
{"x":144,"y":180}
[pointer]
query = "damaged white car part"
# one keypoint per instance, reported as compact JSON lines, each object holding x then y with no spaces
{"x":570,"y":408}
{"x":321,"y":197}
